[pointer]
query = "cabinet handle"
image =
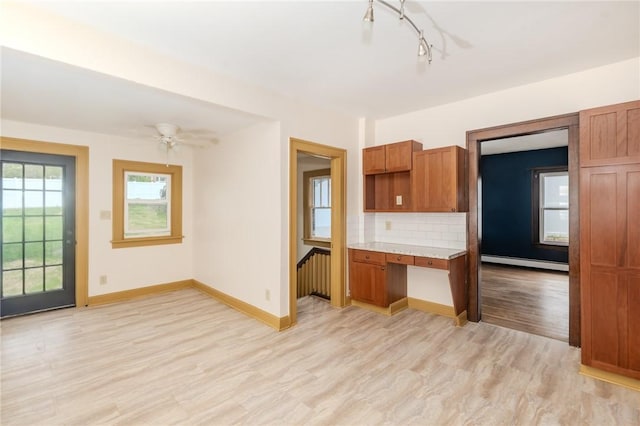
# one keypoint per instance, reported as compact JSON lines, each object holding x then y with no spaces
{"x":366,"y":257}
{"x":453,"y":209}
{"x":399,"y":257}
{"x":382,"y":268}
{"x":430,"y":262}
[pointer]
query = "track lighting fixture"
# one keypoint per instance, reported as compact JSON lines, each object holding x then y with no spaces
{"x":424,"y":48}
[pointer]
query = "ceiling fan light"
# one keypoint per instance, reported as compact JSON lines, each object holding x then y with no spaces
{"x":167,"y":129}
{"x":368,"y":16}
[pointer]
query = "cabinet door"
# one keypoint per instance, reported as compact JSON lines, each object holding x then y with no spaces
{"x":610,"y":268}
{"x":373,"y":160}
{"x":610,"y":135}
{"x":435,"y":185}
{"x":398,"y":156}
{"x":367,"y":282}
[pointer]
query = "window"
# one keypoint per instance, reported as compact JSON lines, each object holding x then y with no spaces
{"x":317,"y":211}
{"x":147,"y":204}
{"x":551,"y":212}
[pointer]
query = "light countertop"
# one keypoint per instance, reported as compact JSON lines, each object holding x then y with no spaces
{"x":410,"y":250}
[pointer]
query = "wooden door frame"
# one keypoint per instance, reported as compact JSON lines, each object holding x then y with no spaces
{"x":81,"y":154}
{"x":338,"y":159}
{"x":474,"y":138}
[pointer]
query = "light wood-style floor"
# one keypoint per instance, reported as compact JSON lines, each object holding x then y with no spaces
{"x":525,"y":299}
{"x":183,"y":358}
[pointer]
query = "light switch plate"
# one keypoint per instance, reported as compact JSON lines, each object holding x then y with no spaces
{"x":398,"y":200}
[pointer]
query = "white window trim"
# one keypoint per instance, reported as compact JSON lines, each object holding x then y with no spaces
{"x":542,"y":208}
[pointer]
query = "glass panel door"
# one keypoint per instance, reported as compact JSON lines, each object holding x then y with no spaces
{"x":38,"y":226}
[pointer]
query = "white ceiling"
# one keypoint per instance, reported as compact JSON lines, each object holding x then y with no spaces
{"x":543,"y":140}
{"x":321,"y":52}
{"x":42,"y":91}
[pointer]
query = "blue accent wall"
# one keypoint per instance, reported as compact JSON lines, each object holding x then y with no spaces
{"x":506,"y":203}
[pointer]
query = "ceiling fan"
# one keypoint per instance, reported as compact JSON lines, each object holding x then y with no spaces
{"x":168,"y":135}
{"x":171,"y":137}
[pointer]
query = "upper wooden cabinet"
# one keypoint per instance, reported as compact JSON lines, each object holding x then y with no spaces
{"x":438,"y":180}
{"x":610,"y":135}
{"x":387,"y":177}
{"x":394,"y":157}
{"x":414,"y":180}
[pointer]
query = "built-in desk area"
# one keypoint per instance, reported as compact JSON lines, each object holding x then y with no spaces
{"x":378,"y":275}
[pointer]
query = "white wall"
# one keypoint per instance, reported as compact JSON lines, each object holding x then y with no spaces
{"x":125,"y":268}
{"x":237,"y":200}
{"x":447,"y":125}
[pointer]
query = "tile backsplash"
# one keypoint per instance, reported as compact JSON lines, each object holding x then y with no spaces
{"x":447,"y":230}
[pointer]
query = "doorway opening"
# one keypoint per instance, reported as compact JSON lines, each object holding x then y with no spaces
{"x":335,"y":159}
{"x":524,"y":229}
{"x":502,"y":135}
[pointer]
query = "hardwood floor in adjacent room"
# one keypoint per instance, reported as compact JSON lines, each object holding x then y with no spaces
{"x":184,"y":358}
{"x":531,"y":300}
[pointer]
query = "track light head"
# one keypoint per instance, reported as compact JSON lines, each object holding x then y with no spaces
{"x":368,"y":16}
{"x":424,"y":49}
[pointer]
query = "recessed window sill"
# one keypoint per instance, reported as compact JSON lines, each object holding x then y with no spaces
{"x":316,"y":242}
{"x":147,"y":241}
{"x":551,"y":246}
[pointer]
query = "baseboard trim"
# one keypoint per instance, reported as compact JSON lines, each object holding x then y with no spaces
{"x":237,"y":304}
{"x":608,"y":377}
{"x":392,"y":309}
{"x":461,"y":319}
{"x":438,"y":309}
{"x":432,"y":307}
{"x":120,"y":296}
{"x":398,"y":305}
{"x":244,"y":307}
{"x":528,"y":263}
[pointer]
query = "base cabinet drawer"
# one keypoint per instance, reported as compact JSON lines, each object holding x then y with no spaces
{"x":402,"y":259}
{"x":368,"y":256}
{"x":430,"y":262}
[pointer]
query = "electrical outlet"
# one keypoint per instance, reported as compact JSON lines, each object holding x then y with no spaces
{"x":267,"y":295}
{"x":387,"y":225}
{"x":398,"y":200}
{"x":103,"y":280}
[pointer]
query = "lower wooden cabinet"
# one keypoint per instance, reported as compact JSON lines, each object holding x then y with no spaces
{"x":368,"y":282}
{"x":373,"y":280}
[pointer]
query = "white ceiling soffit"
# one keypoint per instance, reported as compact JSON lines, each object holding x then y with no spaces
{"x":321,"y":52}
{"x":552,"y":139}
{"x":38,"y":90}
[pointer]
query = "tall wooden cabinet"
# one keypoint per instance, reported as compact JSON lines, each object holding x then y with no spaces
{"x":610,"y":238}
